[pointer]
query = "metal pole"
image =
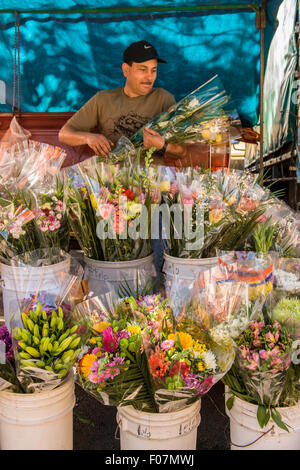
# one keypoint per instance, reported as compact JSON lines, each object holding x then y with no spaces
{"x":262,"y":25}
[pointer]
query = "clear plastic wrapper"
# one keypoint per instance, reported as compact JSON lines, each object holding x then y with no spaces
{"x":207,"y":115}
{"x":112,"y":205}
{"x":263,"y":360}
{"x":44,"y":334}
{"x":284,"y":302}
{"x":123,"y":150}
{"x":113,"y":367}
{"x":207,"y":212}
{"x":30,"y":194}
{"x":199,"y":117}
{"x":139,"y":353}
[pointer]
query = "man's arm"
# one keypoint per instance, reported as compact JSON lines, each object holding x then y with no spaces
{"x":177,"y":155}
{"x":154,"y":139}
{"x":97,"y":142}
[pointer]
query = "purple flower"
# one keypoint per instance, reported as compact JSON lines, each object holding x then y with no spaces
{"x":122,"y":334}
{"x":6,"y":338}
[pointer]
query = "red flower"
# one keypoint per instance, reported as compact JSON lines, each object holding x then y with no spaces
{"x":129,"y":194}
{"x":181,"y":368}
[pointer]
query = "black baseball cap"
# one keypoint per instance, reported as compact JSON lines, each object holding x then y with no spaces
{"x":141,"y":51}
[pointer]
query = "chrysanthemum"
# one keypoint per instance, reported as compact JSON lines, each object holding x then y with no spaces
{"x":210,"y":360}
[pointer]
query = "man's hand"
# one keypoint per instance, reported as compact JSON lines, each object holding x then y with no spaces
{"x":99,"y":144}
{"x":152,"y":139}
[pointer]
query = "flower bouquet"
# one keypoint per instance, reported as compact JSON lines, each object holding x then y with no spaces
{"x":261,"y":369}
{"x":266,"y":371}
{"x":223,"y":210}
{"x":41,"y":322}
{"x":109,"y":209}
{"x":203,"y":116}
{"x":32,"y":211}
{"x":142,"y":354}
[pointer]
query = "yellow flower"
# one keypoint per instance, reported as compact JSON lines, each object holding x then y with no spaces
{"x":92,"y":341}
{"x":185,"y":339}
{"x":47,"y":205}
{"x":86,"y":364}
{"x":199,"y":347}
{"x":101,"y":326}
{"x":201,"y":366}
{"x":133,"y":329}
{"x":215,"y":215}
{"x":164,"y":186}
{"x":94,"y":202}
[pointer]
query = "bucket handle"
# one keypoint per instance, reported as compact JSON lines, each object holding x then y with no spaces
{"x":118,"y":428}
{"x":253,"y":442}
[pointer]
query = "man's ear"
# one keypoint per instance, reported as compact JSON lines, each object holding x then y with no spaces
{"x":125,"y":68}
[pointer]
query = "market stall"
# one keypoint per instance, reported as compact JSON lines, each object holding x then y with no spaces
{"x":188,"y":275}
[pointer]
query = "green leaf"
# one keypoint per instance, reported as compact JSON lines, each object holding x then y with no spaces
{"x":230,"y":402}
{"x":262,"y":416}
{"x":278,"y":420}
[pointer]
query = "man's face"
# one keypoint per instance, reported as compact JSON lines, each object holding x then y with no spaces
{"x":140,"y":77}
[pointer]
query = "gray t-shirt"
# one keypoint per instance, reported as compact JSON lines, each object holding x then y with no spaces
{"x":114,"y":114}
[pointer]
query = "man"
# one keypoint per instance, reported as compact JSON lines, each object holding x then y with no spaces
{"x":122,"y":111}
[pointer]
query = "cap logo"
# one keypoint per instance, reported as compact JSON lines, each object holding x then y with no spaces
{"x":147,"y":47}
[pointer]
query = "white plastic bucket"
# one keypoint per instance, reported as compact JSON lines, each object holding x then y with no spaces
{"x":246,"y":434}
{"x":19,"y":282}
{"x":105,"y":276}
{"x":184,"y":270}
{"x":156,"y":431}
{"x":38,"y":421}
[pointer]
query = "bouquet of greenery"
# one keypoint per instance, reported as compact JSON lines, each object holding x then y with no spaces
{"x":109,"y":209}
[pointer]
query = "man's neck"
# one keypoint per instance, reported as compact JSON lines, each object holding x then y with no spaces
{"x":128,"y":92}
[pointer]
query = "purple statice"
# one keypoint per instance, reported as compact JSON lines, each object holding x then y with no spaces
{"x":122,"y":334}
{"x":6,"y":338}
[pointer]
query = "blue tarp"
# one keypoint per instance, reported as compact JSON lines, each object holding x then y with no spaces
{"x":66,"y":57}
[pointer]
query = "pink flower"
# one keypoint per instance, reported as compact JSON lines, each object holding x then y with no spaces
{"x":206,"y":385}
{"x":187,"y":200}
{"x":263,"y":354}
{"x":167,"y":344}
{"x":110,"y":342}
{"x":173,"y":189}
{"x":96,"y":351}
{"x":105,"y":209}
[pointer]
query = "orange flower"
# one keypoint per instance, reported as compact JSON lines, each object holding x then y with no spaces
{"x":157,"y":364}
{"x":86,"y":364}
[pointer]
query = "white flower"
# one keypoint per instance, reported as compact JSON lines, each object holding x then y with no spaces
{"x":210,"y":360}
{"x":193,"y":103}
